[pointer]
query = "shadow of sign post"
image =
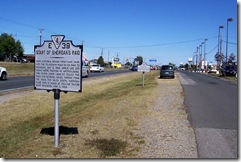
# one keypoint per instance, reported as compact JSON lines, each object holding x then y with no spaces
{"x":62,"y":130}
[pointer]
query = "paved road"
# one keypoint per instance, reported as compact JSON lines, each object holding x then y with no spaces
{"x":212,"y":106}
{"x":21,"y":82}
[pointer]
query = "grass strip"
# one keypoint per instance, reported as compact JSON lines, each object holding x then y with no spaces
{"x":16,"y":137}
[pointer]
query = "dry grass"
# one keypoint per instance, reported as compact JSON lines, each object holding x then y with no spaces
{"x":103,"y":118}
{"x":18,"y":69}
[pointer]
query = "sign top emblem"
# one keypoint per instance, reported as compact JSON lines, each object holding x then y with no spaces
{"x":57,"y":39}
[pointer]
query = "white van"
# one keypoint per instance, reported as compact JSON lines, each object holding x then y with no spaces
{"x":85,"y":69}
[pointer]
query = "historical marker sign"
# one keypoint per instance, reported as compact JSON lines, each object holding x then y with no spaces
{"x":58,"y":65}
{"x":143,"y":68}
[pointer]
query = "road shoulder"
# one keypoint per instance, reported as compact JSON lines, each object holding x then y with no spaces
{"x":166,"y":130}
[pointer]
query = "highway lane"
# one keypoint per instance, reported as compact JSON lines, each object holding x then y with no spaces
{"x":212,"y":106}
{"x":21,"y":82}
{"x":13,"y":83}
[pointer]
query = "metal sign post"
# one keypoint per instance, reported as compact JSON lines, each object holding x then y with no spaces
{"x":143,"y":68}
{"x":56,"y":117}
{"x":143,"y":78}
{"x":58,"y":68}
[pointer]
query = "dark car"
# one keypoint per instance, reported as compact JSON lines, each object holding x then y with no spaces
{"x":229,"y":70}
{"x":133,"y":68}
{"x":167,"y":71}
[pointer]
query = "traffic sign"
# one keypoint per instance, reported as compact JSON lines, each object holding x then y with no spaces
{"x":152,"y":60}
{"x":58,"y":65}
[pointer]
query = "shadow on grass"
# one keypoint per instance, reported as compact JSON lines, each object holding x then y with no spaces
{"x":110,"y":147}
{"x":62,"y":130}
{"x":140,"y":84}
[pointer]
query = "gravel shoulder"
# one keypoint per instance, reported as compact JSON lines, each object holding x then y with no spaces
{"x":166,"y":131}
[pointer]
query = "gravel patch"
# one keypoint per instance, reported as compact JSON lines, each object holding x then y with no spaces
{"x":165,"y":129}
{"x":12,"y":95}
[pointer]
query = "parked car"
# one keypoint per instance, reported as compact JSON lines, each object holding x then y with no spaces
{"x":97,"y":68}
{"x":3,"y":73}
{"x":85,"y":69}
{"x":19,"y":59}
{"x":212,"y":71}
{"x":167,"y":71}
{"x":229,"y":70}
{"x":133,"y":68}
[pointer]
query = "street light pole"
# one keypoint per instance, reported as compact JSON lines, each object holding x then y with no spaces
{"x":196,"y":57}
{"x":205,"y":67}
{"x":40,"y":35}
{"x":220,"y":44}
{"x":200,"y":57}
{"x":193,"y":57}
{"x":229,"y":19}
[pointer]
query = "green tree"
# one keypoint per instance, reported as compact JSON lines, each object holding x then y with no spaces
{"x":138,"y":59}
{"x":128,"y":64}
{"x":172,"y":64}
{"x":231,"y":58}
{"x":19,"y":49}
{"x":101,"y":61}
{"x":9,"y":47}
{"x":219,"y":58}
{"x":186,"y":66}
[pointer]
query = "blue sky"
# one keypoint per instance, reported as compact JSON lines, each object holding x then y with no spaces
{"x":165,"y":30}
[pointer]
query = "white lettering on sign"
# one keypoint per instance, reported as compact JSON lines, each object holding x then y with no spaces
{"x":58,"y":68}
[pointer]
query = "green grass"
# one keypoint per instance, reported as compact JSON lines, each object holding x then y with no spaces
{"x":18,"y":136}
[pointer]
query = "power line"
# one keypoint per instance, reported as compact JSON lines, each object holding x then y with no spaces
{"x":230,"y":43}
{"x":212,"y":50}
{"x":161,"y":44}
{"x":19,"y":23}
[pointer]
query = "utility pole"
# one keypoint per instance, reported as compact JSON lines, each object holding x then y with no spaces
{"x":40,"y":35}
{"x":200,"y":57}
{"x":193,"y":62}
{"x":205,"y":65}
{"x":196,"y":57}
{"x":219,"y":44}
{"x":221,"y":56}
{"x":229,"y":19}
{"x":101,"y":51}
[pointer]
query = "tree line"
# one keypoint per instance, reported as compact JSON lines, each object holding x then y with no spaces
{"x":10,"y":47}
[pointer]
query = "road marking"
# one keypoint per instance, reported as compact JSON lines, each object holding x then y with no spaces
{"x":185,"y":80}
